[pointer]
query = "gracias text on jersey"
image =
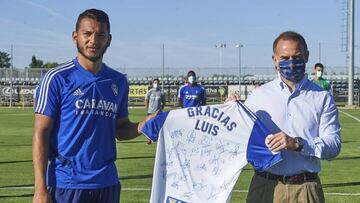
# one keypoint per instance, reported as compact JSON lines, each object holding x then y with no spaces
{"x":217,"y":116}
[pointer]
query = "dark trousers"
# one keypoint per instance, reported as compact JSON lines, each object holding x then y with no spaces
{"x":109,"y":194}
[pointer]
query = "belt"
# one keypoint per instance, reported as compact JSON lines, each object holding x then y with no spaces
{"x":293,"y":179}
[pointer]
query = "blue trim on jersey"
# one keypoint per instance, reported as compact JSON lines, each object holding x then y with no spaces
{"x":153,"y":126}
{"x":253,"y":116}
{"x":257,"y":153}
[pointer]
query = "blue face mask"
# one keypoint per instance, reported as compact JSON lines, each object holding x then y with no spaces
{"x":292,"y":70}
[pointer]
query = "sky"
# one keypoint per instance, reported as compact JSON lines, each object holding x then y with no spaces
{"x":189,"y":30}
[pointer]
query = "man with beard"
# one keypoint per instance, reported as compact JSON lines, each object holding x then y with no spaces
{"x":81,"y":107}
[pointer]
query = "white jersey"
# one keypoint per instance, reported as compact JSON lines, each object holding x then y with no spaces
{"x":202,"y":150}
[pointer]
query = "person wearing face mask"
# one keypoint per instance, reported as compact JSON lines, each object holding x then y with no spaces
{"x":154,"y":98}
{"x":191,"y":94}
{"x":318,"y":79}
{"x":303,"y":121}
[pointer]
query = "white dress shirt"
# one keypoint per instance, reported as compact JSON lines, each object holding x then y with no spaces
{"x":308,"y":112}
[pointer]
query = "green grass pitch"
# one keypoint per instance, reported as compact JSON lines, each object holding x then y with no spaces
{"x":340,"y":177}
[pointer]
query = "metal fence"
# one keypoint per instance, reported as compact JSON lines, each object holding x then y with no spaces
{"x":34,"y":74}
{"x":217,"y":82}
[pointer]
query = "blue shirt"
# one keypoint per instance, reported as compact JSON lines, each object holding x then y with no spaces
{"x":84,"y":108}
{"x":308,"y":112}
{"x":192,"y":95}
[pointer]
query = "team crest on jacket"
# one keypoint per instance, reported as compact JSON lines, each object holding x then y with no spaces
{"x":114,"y":89}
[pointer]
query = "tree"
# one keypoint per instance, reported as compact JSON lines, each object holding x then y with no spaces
{"x":49,"y":65}
{"x":36,"y":63}
{"x":4,"y":60}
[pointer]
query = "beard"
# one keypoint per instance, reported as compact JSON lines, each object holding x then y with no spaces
{"x":92,"y":58}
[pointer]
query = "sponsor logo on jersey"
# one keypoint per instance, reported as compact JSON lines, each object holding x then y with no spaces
{"x":96,"y":107}
{"x":191,"y":96}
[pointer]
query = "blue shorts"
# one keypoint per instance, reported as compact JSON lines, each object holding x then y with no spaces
{"x":107,"y":195}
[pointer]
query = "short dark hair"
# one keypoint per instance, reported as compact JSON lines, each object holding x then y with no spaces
{"x":191,"y":73}
{"x":319,"y":65}
{"x":290,"y":35}
{"x":94,"y":14}
{"x":156,"y":79}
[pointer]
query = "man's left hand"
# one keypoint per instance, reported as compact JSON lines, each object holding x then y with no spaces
{"x":280,"y":141}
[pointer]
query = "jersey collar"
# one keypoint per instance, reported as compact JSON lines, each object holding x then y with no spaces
{"x":88,"y":73}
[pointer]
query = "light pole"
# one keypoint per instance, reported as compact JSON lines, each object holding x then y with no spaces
{"x":220,"y":46}
{"x":163,"y":66}
{"x":350,"y":53}
{"x":11,"y":75}
{"x":239,"y":45}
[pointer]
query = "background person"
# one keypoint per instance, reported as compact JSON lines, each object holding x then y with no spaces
{"x":191,"y":94}
{"x":155,"y":98}
{"x":318,"y":79}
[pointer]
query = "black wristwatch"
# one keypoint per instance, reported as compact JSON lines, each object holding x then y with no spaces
{"x":300,"y":142}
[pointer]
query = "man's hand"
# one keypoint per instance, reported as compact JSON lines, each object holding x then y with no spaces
{"x":142,"y":123}
{"x":232,"y":97}
{"x":42,"y":197}
{"x":280,"y":141}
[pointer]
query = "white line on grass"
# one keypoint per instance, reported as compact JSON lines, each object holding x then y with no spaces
{"x":148,"y":189}
{"x":351,"y":116}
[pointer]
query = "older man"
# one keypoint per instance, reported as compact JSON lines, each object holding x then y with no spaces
{"x":303,"y":119}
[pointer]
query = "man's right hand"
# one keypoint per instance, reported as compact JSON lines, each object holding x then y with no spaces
{"x":232,"y":97}
{"x":42,"y":197}
{"x":147,"y":118}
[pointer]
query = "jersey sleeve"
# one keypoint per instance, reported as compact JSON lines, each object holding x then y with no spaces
{"x":328,"y":86}
{"x":122,"y":110}
{"x":153,"y":126}
{"x":180,"y":92}
{"x":147,"y":95}
{"x":48,"y":94}
{"x":258,"y":154}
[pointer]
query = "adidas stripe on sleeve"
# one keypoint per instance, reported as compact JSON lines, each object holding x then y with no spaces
{"x":47,"y":98}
